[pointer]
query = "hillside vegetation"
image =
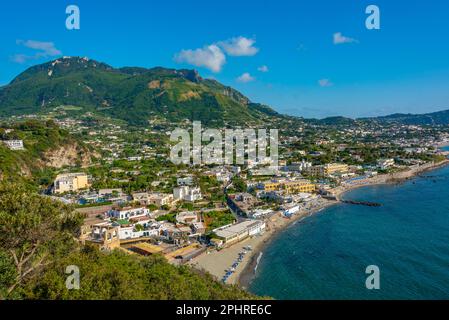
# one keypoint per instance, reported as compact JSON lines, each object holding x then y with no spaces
{"x":41,"y":140}
{"x":37,"y":243}
{"x":135,"y":95}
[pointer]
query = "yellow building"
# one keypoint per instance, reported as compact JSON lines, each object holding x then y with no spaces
{"x":296,"y":186}
{"x":300,"y":186}
{"x":332,"y":168}
{"x":328,"y":169}
{"x":271,"y":186}
{"x":68,"y":182}
{"x":105,"y":237}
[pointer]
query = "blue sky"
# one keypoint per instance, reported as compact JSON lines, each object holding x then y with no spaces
{"x":403,"y":67}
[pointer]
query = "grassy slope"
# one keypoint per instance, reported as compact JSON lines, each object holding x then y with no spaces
{"x":131,"y":94}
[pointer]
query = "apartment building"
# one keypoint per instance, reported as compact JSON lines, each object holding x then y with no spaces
{"x":187,"y":193}
{"x":70,"y":182}
{"x":156,"y":198}
{"x":241,"y":203}
{"x":160,"y":199}
{"x":128,"y":213}
{"x":328,"y":169}
{"x":289,"y":186}
{"x":385,"y":163}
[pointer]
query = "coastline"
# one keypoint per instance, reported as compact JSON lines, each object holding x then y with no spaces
{"x":217,"y":261}
{"x":443,"y":144}
{"x":247,"y":274}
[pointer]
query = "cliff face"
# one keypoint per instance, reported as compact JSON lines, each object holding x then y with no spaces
{"x":45,"y":146}
{"x":68,"y":155}
{"x":24,"y":165}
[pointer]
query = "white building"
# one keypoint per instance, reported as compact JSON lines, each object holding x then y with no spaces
{"x":180,"y":192}
{"x":223,"y":176}
{"x":385,"y":163}
{"x":14,"y":144}
{"x":258,"y":213}
{"x":237,"y":232}
{"x":155,"y":198}
{"x":131,"y":233}
{"x":187,"y":193}
{"x":135,"y":158}
{"x":291,"y":210}
{"x":298,"y":166}
{"x":129,"y":213}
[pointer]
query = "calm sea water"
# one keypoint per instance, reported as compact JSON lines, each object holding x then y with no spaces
{"x":325,"y":256}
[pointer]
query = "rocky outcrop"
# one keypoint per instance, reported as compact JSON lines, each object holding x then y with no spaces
{"x":68,"y":155}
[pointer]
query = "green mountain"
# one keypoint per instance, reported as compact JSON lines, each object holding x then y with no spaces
{"x":434,"y":118}
{"x":133,"y":94}
{"x":332,"y":121}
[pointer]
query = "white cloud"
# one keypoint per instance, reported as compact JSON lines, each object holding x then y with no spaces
{"x":47,"y":48}
{"x":20,"y":58}
{"x":246,"y":77}
{"x":209,"y":56}
{"x":213,"y":56}
{"x":340,"y":39}
{"x":239,"y":46}
{"x":44,"y":50}
{"x":263,"y":68}
{"x":325,"y":83}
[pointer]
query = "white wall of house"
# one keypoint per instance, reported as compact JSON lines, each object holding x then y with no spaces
{"x":257,"y":229}
{"x":129,"y":213}
{"x":129,"y":233}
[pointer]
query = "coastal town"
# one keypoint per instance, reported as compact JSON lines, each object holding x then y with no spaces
{"x":223,"y":159}
{"x":217,"y":217}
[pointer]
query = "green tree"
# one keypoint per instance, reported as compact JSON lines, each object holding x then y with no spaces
{"x":8,"y":273}
{"x":120,"y":276}
{"x":33,"y":230}
{"x":239,"y":184}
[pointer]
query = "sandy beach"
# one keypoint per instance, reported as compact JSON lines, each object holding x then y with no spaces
{"x":217,"y":262}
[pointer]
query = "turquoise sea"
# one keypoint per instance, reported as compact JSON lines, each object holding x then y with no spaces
{"x":325,"y":256}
